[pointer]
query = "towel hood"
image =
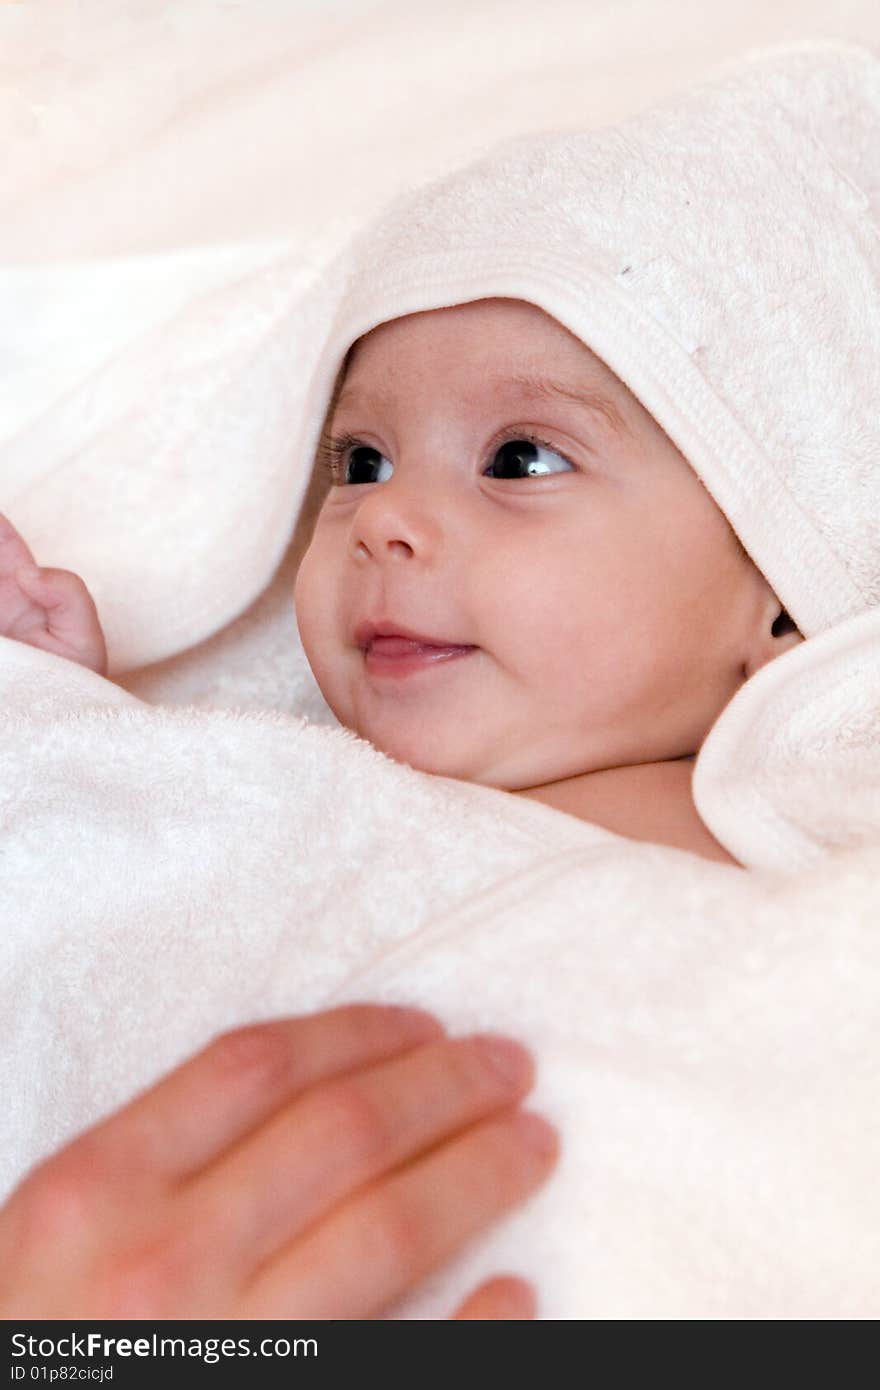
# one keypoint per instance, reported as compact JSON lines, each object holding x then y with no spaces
{"x":703,"y":249}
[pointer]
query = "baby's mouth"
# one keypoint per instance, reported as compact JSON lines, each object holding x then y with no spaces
{"x":407,"y":646}
{"x":371,"y":631}
{"x":399,"y":656}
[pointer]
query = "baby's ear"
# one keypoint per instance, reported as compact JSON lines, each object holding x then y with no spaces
{"x":783,"y":625}
{"x":782,"y":635}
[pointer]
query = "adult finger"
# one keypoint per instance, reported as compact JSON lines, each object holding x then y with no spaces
{"x":212,"y":1100}
{"x":405,"y":1225}
{"x":340,"y":1136}
{"x":506,"y":1297}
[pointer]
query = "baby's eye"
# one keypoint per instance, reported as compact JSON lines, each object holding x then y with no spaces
{"x":350,"y":462}
{"x":357,"y":468}
{"x":520,"y":456}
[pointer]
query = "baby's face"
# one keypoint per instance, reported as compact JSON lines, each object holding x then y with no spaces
{"x":601,"y":589}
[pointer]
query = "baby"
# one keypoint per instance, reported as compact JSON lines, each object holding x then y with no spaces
{"x":583,"y":422}
{"x":515,"y":578}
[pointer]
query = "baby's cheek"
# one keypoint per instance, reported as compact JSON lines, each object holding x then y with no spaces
{"x":307,"y":577}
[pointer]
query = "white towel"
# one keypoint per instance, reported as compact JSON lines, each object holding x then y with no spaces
{"x":705,"y":1035}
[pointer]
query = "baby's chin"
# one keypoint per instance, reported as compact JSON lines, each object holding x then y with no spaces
{"x":438,"y":761}
{"x":446,"y":758}
{"x":443,"y":741}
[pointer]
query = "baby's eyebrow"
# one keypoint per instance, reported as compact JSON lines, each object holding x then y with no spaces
{"x":585,"y":395}
{"x":575,"y":393}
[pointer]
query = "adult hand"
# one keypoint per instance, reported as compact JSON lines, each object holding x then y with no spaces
{"x":314,"y":1167}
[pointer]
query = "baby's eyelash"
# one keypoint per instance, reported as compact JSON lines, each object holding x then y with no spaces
{"x":331,"y":450}
{"x":333,"y":447}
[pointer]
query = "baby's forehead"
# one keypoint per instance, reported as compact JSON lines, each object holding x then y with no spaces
{"x":487,"y":322}
{"x":504,"y":335}
{"x":511,"y":348}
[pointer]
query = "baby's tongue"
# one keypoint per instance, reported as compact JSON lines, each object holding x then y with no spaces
{"x":404,"y":646}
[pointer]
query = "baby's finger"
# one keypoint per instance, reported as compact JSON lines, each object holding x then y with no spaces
{"x":340,"y":1136}
{"x":14,"y":550}
{"x":63,"y":596}
{"x":506,"y":1298}
{"x":64,"y":619}
{"x":402,"y":1227}
{"x":239,"y":1080}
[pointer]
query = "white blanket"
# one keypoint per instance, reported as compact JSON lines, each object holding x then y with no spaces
{"x":706,"y":1035}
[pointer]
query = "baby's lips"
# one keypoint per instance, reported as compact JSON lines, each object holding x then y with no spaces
{"x":369,"y":630}
{"x":402,"y":646}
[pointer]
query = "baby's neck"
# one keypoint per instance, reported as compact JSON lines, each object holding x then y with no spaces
{"x":644,"y":801}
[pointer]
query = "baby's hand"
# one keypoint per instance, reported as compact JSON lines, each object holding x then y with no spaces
{"x":47,"y":608}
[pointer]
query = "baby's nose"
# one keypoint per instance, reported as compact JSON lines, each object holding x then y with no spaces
{"x":397,"y":523}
